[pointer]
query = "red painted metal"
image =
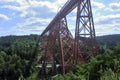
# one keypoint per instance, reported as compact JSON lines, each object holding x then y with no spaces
{"x":85,"y":40}
{"x":58,"y":37}
{"x":65,"y":40}
{"x":67,"y":44}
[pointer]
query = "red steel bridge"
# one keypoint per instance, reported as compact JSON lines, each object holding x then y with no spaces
{"x":57,"y":40}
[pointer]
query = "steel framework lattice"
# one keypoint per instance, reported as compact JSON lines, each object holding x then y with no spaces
{"x":57,"y":40}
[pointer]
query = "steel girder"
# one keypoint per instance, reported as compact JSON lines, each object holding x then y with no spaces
{"x":66,"y":9}
{"x":85,"y":40}
{"x":57,"y":41}
{"x":66,"y":46}
{"x":59,"y":38}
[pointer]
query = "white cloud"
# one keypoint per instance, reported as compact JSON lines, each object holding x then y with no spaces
{"x":25,"y":6}
{"x":7,"y":0}
{"x":4,"y":17}
{"x":32,"y":24}
{"x":109,"y":24}
{"x":21,"y":9}
{"x":53,"y":6}
{"x":117,"y":5}
{"x":97,"y":4}
{"x":106,"y":29}
{"x":114,"y":7}
{"x":110,"y":18}
{"x":106,"y":18}
{"x":1,"y":28}
{"x":26,"y":9}
{"x":20,"y":2}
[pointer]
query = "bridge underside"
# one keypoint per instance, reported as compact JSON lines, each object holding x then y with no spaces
{"x":58,"y":43}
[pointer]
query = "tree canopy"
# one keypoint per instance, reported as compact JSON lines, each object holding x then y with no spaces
{"x":17,"y":60}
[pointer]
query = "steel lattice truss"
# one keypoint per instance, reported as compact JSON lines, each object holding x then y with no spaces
{"x":57,"y":40}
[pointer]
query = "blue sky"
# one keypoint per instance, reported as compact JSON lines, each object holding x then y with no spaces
{"x":23,"y":17}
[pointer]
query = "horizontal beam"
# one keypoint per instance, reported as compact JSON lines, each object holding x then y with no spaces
{"x":66,"y":9}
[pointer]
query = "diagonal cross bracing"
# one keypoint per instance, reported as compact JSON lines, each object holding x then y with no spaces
{"x":67,"y":8}
{"x":58,"y":43}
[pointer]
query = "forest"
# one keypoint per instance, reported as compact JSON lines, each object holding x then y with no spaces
{"x":18,"y":60}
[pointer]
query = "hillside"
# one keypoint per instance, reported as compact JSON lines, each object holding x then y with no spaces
{"x":11,"y":38}
{"x":20,"y":43}
{"x":17,"y":56}
{"x":109,"y":40}
{"x":7,"y":41}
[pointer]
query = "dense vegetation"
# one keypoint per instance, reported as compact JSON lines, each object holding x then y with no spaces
{"x":102,"y":67}
{"x":17,"y":60}
{"x":16,"y":56}
{"x":110,"y":40}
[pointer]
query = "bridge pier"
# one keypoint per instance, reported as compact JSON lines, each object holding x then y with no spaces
{"x":48,"y":68}
{"x":57,"y":38}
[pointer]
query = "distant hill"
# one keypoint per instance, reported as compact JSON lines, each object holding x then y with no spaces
{"x":18,"y":57}
{"x":12,"y":38}
{"x":109,"y":40}
{"x":7,"y":41}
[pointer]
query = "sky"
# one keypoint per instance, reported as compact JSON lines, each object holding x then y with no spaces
{"x":24,"y":17}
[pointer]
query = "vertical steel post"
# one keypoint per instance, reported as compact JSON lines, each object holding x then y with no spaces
{"x":61,"y":49}
{"x":72,"y":51}
{"x":85,"y":40}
